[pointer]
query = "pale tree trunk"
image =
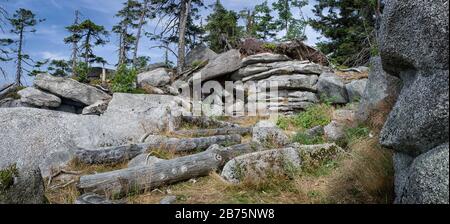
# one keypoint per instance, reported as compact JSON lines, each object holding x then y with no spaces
{"x":75,"y":47}
{"x":139,"y":30}
{"x":185,"y":8}
{"x":19,"y":59}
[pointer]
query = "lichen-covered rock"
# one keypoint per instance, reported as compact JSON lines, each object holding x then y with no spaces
{"x":168,"y":200}
{"x":427,"y":178}
{"x":401,"y":162}
{"x":264,"y":70}
{"x":91,"y":198}
{"x":380,"y":93}
{"x":10,"y":103}
{"x":313,"y":156}
{"x":38,"y":98}
{"x":315,"y":131}
{"x":21,"y":185}
{"x":332,"y":88}
{"x":264,"y":58}
{"x":419,"y":120}
{"x":334,"y":131}
{"x":355,"y":89}
{"x":70,"y":89}
{"x":200,"y":53}
{"x":414,"y":35}
{"x":267,"y":133}
{"x":96,"y":108}
{"x":157,"y":78}
{"x":259,"y":165}
{"x":295,"y":81}
{"x":225,"y":63}
{"x":47,"y":138}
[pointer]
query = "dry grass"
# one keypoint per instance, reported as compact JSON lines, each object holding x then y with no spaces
{"x":68,"y":194}
{"x":350,"y":76}
{"x":363,"y":175}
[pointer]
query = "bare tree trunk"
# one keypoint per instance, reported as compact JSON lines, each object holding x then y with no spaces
{"x":19,"y":59}
{"x":139,"y":30}
{"x":136,"y":179}
{"x":185,"y":8}
{"x":87,"y":48}
{"x":75,"y":47}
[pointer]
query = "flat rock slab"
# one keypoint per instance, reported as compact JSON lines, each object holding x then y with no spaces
{"x":264,"y":58}
{"x":38,"y":98}
{"x":225,"y":63}
{"x":259,"y":165}
{"x":70,"y":89}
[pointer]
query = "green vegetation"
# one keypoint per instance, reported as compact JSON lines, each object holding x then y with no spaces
{"x":305,"y":139}
{"x":348,"y":26}
{"x":319,"y":114}
{"x":81,"y":71}
{"x":7,"y":176}
{"x":269,"y":46}
{"x":124,"y":79}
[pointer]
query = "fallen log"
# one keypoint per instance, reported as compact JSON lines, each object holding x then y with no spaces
{"x":212,"y":132}
{"x":207,"y":122}
{"x":136,"y":179}
{"x":114,"y":155}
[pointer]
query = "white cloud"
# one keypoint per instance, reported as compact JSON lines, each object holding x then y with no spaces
{"x":53,"y":55}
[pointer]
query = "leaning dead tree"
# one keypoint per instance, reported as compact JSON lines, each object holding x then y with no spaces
{"x":140,"y":178}
{"x":114,"y":155}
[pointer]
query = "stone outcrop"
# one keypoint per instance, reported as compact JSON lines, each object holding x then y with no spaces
{"x":199,"y":54}
{"x":380,"y":93}
{"x":225,"y":63}
{"x":355,"y":89}
{"x":21,"y":185}
{"x":332,"y":88}
{"x":418,"y":123}
{"x":48,"y":138}
{"x":70,"y":89}
{"x":156,"y":78}
{"x":38,"y":98}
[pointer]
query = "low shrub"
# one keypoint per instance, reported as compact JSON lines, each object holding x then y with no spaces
{"x":305,"y":139}
{"x":124,"y":80}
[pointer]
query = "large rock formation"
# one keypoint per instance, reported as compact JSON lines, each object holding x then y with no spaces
{"x":225,"y":63}
{"x":414,"y":47}
{"x":38,"y":98}
{"x":332,"y":88}
{"x":156,"y":78}
{"x":199,"y":54}
{"x":380,"y":93}
{"x":23,"y":185}
{"x":70,"y":89}
{"x":48,"y":138}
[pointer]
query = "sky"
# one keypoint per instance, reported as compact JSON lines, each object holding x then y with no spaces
{"x":47,"y":42}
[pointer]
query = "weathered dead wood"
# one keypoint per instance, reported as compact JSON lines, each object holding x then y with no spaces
{"x":207,"y":122}
{"x":136,"y":179}
{"x":91,"y":198}
{"x":114,"y":155}
{"x":212,"y":132}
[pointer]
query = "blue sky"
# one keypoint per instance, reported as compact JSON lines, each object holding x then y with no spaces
{"x":47,"y":42}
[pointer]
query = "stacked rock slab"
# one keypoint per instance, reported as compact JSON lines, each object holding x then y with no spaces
{"x":413,"y":43}
{"x":278,"y":84}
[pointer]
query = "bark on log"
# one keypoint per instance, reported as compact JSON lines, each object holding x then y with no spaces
{"x":212,"y":132}
{"x":208,"y":122}
{"x":135,"y":179}
{"x":114,"y":155}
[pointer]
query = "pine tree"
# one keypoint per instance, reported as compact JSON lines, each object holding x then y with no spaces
{"x":349,"y":27}
{"x":222,"y":28}
{"x":249,"y":19}
{"x":146,"y":12}
{"x":129,"y":15}
{"x":59,"y":68}
{"x":74,"y":40}
{"x":22,"y":22}
{"x":264,"y":25}
{"x":293,"y":27}
{"x":180,"y":15}
{"x":90,"y":35}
